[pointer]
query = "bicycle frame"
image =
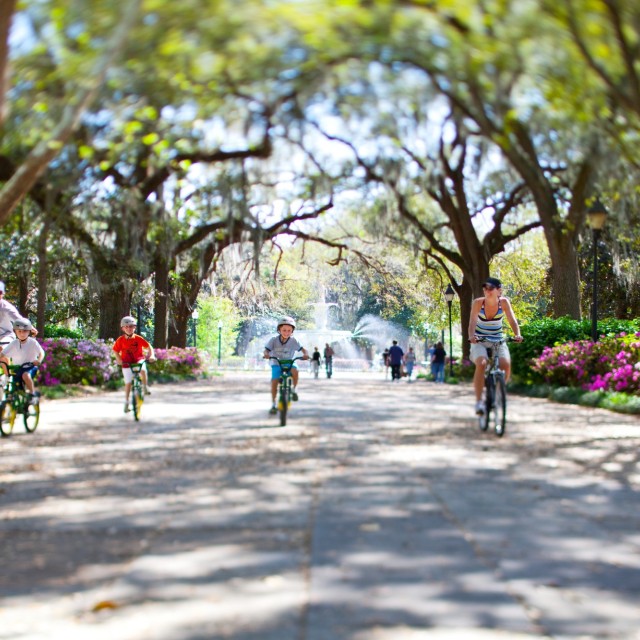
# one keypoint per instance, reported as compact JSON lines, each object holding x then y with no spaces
{"x":495,"y":390}
{"x":15,"y":401}
{"x":284,"y":387}
{"x":137,"y":391}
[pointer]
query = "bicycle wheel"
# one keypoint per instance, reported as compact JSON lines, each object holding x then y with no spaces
{"x":489,"y":392}
{"x":137,"y":400}
{"x":283,"y":404}
{"x":31,"y":416}
{"x":7,"y":417}
{"x":499,"y":411}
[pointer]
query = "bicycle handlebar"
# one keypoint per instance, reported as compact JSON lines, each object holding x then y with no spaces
{"x":287,"y":364}
{"x":480,"y":340}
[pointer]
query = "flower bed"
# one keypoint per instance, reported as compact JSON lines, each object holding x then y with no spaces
{"x":71,"y":361}
{"x":610,"y":364}
{"x":92,"y":362}
{"x":178,"y":362}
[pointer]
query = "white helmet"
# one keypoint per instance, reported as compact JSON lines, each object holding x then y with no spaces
{"x":22,"y":323}
{"x":287,"y":320}
{"x":128,"y":321}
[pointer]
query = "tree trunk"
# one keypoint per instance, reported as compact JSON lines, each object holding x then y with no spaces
{"x":185,"y":297}
{"x":179,"y":324}
{"x":43,"y":270}
{"x":565,"y":274}
{"x":115,"y":302}
{"x":7,"y":9}
{"x":466,"y":294}
{"x":161,"y":303}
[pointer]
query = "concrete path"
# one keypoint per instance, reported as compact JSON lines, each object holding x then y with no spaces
{"x":380,"y":512}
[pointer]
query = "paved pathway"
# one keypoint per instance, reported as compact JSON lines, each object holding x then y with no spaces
{"x":380,"y":513}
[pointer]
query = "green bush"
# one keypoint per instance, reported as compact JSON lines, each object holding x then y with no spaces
{"x":566,"y":395}
{"x":621,"y":402}
{"x":591,"y":398}
{"x":464,"y":369}
{"x":60,"y":331}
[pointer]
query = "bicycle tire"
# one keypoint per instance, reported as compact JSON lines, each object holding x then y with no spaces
{"x":7,"y":418}
{"x":283,"y":405}
{"x":137,"y":400}
{"x":499,"y":412}
{"x":31,"y":416}
{"x":489,"y":393}
{"x":483,"y":418}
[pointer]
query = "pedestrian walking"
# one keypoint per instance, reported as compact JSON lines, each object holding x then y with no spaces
{"x":432,"y":351}
{"x":409,"y":362}
{"x":385,"y":362}
{"x":328,"y":359}
{"x":315,"y":362}
{"x":396,"y":355}
{"x":439,"y":359}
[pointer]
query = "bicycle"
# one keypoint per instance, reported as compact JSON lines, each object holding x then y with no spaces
{"x":495,"y":391}
{"x":284,"y":387}
{"x":16,"y":401}
{"x":137,"y":390}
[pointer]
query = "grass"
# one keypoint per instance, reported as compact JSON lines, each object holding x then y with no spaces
{"x":613,"y":401}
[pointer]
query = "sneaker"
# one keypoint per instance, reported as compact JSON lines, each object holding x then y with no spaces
{"x":126,"y":407}
{"x":294,"y":395}
{"x":273,"y":410}
{"x":480,"y":408}
{"x":147,"y":391}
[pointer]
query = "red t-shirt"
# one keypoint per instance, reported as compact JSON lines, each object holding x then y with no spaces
{"x":131,"y":349}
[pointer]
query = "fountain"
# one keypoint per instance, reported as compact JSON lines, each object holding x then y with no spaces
{"x":377,"y":332}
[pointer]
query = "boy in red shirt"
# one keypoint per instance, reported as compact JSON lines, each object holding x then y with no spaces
{"x":130,"y":349}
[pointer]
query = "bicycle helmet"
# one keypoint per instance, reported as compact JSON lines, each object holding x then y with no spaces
{"x":287,"y":320}
{"x":128,"y":321}
{"x":22,"y":323}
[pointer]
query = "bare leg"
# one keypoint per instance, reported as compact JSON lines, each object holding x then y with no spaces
{"x":294,"y":375}
{"x":127,"y":391}
{"x":274,"y":390}
{"x":505,"y":365}
{"x":28,"y":382}
{"x":478,"y":377}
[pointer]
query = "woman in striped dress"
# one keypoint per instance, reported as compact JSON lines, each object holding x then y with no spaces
{"x":486,"y":322}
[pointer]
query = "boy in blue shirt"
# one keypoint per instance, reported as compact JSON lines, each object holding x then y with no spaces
{"x":284,"y":347}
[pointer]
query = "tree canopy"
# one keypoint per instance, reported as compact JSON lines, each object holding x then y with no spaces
{"x":412,"y":141}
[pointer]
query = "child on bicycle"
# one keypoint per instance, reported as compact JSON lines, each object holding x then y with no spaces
{"x":129,"y":349}
{"x":26,"y":353}
{"x":485,"y":323}
{"x":284,"y":347}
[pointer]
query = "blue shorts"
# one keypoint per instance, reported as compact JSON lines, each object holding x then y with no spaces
{"x":276,"y":371}
{"x":31,"y":369}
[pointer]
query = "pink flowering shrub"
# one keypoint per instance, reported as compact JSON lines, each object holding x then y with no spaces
{"x":611,"y":364}
{"x":177,"y":362}
{"x":72,"y":361}
{"x":91,"y":362}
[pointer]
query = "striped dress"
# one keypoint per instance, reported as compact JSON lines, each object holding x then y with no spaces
{"x":490,"y":329}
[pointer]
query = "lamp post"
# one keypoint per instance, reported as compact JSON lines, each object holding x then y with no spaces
{"x":597,"y":214}
{"x":449,"y":295}
{"x":195,"y":315}
{"x":219,"y":342}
